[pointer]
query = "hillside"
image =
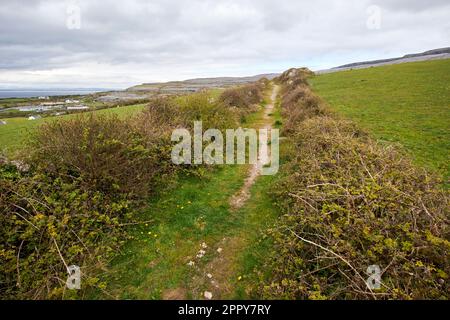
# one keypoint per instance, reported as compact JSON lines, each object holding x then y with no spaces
{"x":435,"y":54}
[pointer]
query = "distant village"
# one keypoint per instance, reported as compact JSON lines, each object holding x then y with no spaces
{"x":60,"y":107}
{"x":68,"y":105}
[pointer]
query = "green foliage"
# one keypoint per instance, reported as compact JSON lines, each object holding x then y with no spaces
{"x":212,"y":113}
{"x":244,"y":99}
{"x":107,"y":154}
{"x":49,"y":223}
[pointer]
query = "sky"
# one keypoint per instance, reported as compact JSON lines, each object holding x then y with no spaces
{"x":117,"y":44}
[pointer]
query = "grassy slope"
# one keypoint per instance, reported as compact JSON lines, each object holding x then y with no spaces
{"x":14,"y":133}
{"x":406,"y":103}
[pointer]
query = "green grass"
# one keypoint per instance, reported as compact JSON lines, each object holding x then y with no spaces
{"x":260,"y":213}
{"x":405,"y":103}
{"x":15,"y":132}
{"x":196,"y":211}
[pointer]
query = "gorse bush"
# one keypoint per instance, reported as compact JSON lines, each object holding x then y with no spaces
{"x":48,"y":224}
{"x":86,"y":175}
{"x":347,"y":203}
{"x":213,"y":114}
{"x":244,"y":99}
{"x":298,"y":105}
{"x":105,"y":153}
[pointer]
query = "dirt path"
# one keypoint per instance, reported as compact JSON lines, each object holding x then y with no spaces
{"x":215,"y":278}
{"x":239,"y":199}
{"x":217,"y":275}
{"x":199,"y":246}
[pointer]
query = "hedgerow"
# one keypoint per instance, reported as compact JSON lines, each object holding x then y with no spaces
{"x":48,"y":224}
{"x":347,"y":203}
{"x":244,"y":99}
{"x":79,"y":184}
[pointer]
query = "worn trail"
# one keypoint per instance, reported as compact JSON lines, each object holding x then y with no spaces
{"x":195,"y":248}
{"x":239,"y":199}
{"x":217,"y":274}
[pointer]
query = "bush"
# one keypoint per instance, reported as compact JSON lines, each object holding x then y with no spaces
{"x":84,"y":177}
{"x":48,"y":224}
{"x":298,"y":105}
{"x":213,"y":114}
{"x":244,"y":98}
{"x":104,"y":153}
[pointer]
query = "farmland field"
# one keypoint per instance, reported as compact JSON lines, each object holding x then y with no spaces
{"x":405,"y":103}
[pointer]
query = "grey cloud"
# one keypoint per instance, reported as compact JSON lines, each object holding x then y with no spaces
{"x":141,"y":40}
{"x":411,"y":5}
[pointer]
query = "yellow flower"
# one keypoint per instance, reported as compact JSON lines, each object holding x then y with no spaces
{"x":240,"y":278}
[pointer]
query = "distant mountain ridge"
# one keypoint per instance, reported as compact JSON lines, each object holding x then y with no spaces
{"x":193,"y":85}
{"x":407,"y":56}
{"x":199,"y":83}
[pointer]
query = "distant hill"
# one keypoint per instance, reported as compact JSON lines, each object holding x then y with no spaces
{"x":442,"y":53}
{"x":193,"y":85}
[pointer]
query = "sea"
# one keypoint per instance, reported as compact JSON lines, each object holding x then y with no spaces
{"x":5,"y":93}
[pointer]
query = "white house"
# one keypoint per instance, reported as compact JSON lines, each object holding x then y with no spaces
{"x":78,"y":108}
{"x":72,"y":101}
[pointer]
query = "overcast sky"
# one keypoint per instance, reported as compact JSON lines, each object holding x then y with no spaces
{"x":122,"y":43}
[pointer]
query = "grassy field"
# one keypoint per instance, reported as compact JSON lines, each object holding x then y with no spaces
{"x":405,"y":103}
{"x":14,"y":133}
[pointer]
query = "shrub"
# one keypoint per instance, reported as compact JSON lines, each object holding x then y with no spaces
{"x":105,"y":153}
{"x":298,"y":105}
{"x":47,"y":224}
{"x":87,"y":175}
{"x":212,"y":113}
{"x":245,"y":97}
{"x":366,"y":204}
